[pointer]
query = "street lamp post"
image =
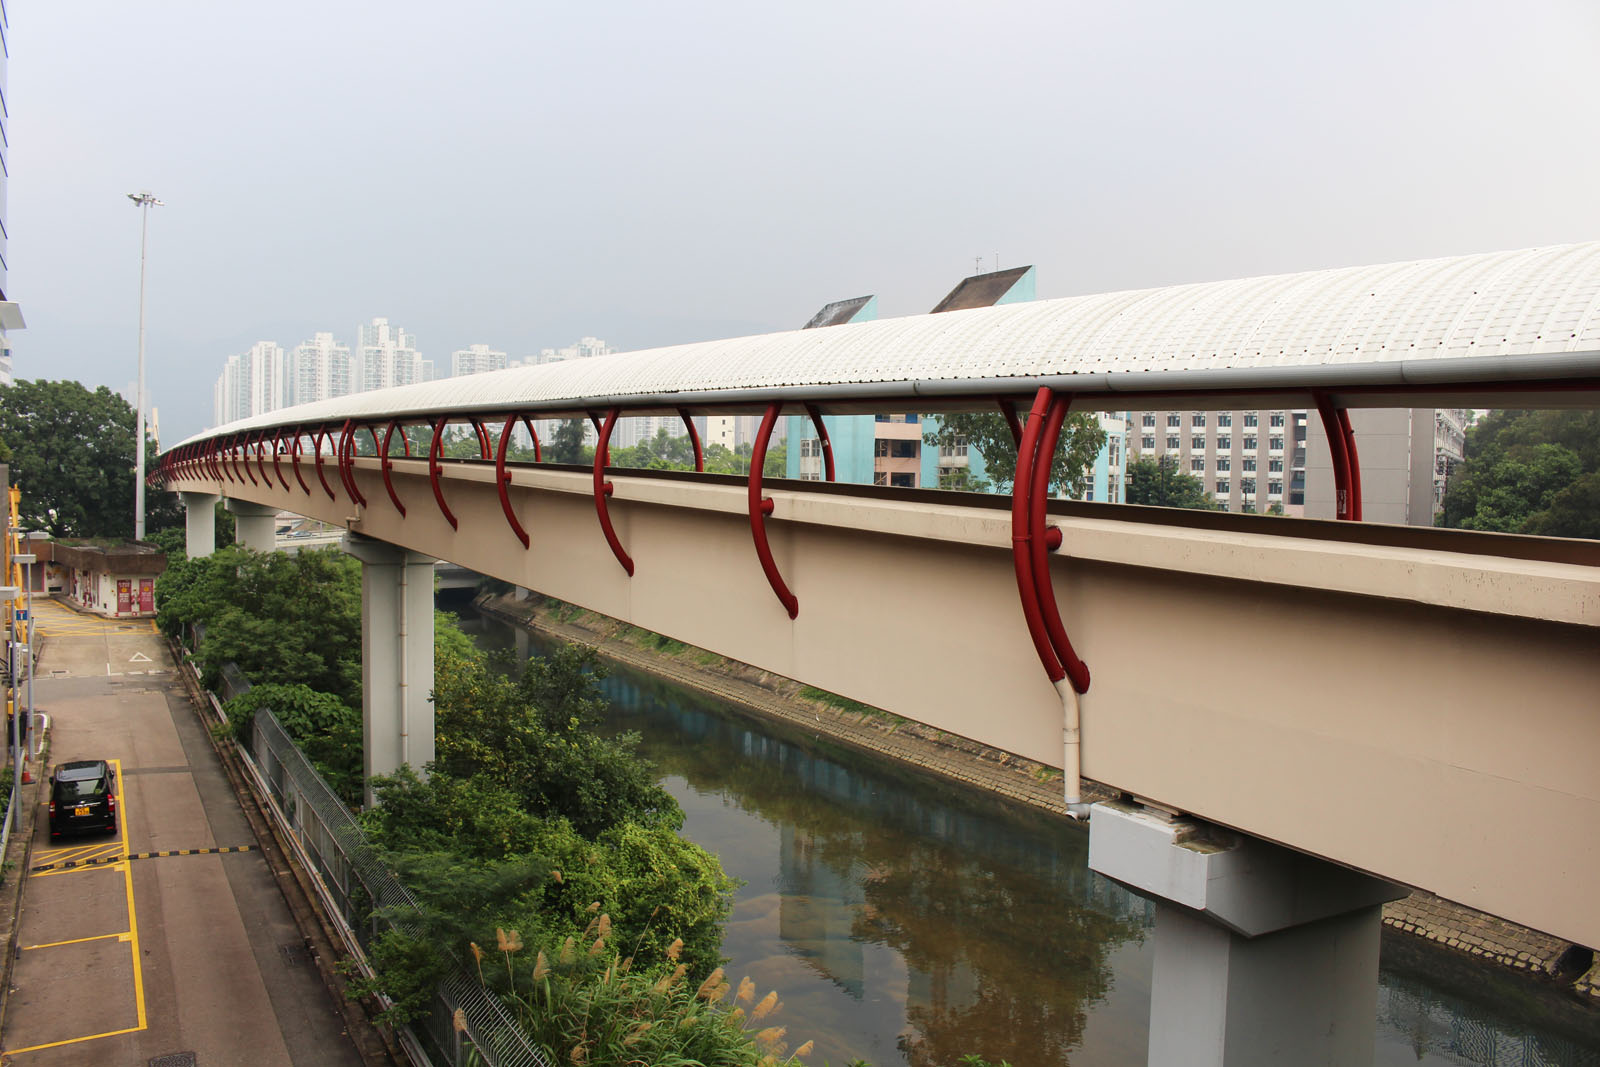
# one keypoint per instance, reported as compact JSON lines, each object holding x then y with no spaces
{"x":18,"y":741}
{"x":146,"y":200}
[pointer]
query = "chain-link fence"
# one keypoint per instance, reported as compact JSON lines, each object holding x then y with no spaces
{"x":368,"y":896}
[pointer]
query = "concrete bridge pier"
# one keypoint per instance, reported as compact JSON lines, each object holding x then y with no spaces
{"x":254,"y":525}
{"x":1263,"y":955}
{"x":396,"y":656}
{"x":199,"y":523}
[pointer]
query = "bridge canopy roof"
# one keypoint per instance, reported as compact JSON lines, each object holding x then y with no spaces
{"x":1464,"y":326}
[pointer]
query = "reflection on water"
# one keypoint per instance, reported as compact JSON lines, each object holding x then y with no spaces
{"x":910,"y":922}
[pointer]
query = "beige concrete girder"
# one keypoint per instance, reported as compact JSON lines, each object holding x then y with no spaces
{"x":1420,"y":713}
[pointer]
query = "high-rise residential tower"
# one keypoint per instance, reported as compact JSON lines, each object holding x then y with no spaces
{"x":386,"y":355}
{"x":318,"y":369}
{"x":476,"y":359}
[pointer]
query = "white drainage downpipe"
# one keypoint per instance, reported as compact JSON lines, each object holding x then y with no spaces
{"x":1071,"y":766}
{"x":404,"y":678}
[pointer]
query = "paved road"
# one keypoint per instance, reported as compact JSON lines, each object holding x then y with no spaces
{"x":125,"y":961}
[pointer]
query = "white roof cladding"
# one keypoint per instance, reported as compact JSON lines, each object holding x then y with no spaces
{"x":1479,"y":317}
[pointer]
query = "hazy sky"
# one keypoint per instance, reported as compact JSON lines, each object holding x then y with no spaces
{"x":522,"y":174}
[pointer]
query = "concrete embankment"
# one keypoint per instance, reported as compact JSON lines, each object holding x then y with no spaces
{"x":1426,"y":921}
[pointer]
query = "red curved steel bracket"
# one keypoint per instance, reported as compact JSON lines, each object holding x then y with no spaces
{"x":822,"y":436}
{"x":372,"y":431}
{"x":347,"y":463}
{"x":248,"y":444}
{"x":1038,"y":544}
{"x":277,"y":452}
{"x":1009,"y":410}
{"x":383,"y":453}
{"x":294,"y":459}
{"x":261,"y":457}
{"x":433,"y":473}
{"x":213,"y":451}
{"x":694,"y":439}
{"x":1353,"y":462}
{"x":602,"y":489}
{"x":1341,"y":457}
{"x":533,"y":434}
{"x":502,"y":478}
{"x":605,"y":456}
{"x":316,"y":442}
{"x":761,"y":507}
{"x":1021,"y":538}
{"x":485,"y":450}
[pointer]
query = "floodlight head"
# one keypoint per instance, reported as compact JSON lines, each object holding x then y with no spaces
{"x":146,"y":199}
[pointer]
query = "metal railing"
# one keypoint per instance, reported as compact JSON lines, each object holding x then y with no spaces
{"x":367,"y":896}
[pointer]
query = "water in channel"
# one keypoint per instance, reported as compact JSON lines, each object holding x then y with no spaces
{"x":907,"y":921}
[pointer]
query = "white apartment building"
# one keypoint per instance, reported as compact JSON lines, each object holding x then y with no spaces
{"x":251,"y":384}
{"x":386,"y":356}
{"x":1250,"y":461}
{"x":319,"y":369}
{"x":476,"y":359}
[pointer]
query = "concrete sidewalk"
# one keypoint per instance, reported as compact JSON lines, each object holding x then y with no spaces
{"x":121,"y":962}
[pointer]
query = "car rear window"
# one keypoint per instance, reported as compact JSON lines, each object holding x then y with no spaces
{"x":73,"y":790}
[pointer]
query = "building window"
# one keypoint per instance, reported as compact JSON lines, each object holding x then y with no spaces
{"x":1172,"y":441}
{"x":1224,"y":443}
{"x":1197,"y":443}
{"x":880,"y":477}
{"x":1275,"y":488}
{"x":1174,"y":420}
{"x":1275,"y":444}
{"x":1198,"y":464}
{"x":1223,"y":464}
{"x":903,"y":481}
{"x":1275,"y":420}
{"x":1224,"y":420}
{"x":1223,"y":488}
{"x":952,"y":477}
{"x":810,"y":447}
{"x":1275,"y":465}
{"x":1088,"y":493}
{"x":1249,"y":443}
{"x":810,"y":476}
{"x":1248,"y":463}
{"x":1247,"y":486}
{"x":1148,"y":443}
{"x":951,"y":451}
{"x":904,"y":449}
{"x":1251,"y":419}
{"x":1149,"y":418}
{"x":1199,"y":419}
{"x":881,"y":448}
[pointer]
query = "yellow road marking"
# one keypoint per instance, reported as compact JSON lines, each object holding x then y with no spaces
{"x":131,"y":935}
{"x":77,"y":1040}
{"x":121,"y":935}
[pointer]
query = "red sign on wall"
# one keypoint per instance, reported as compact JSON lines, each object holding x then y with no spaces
{"x":124,"y":596}
{"x":147,"y":594}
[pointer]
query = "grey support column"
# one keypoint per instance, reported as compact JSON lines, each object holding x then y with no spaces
{"x":1263,"y":955}
{"x":396,"y":656}
{"x":200,"y":523}
{"x":254,"y":525}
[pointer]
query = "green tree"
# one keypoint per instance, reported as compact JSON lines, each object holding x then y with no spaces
{"x":1528,"y":472}
{"x":73,"y":456}
{"x":566,"y":444}
{"x":990,"y":436}
{"x":1160,"y":483}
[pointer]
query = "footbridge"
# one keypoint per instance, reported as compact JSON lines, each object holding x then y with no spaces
{"x":1300,"y":716}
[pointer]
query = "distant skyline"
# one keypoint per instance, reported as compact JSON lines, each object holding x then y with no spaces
{"x":522,"y":175}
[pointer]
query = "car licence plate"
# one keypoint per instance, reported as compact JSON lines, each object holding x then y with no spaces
{"x":81,"y":809}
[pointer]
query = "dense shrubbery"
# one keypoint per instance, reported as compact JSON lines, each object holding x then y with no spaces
{"x":1534,"y":472}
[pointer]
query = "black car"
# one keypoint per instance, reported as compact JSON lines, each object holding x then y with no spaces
{"x":83,"y":796}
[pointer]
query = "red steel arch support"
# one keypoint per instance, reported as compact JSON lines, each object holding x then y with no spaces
{"x":1009,"y":410}
{"x":1021,"y":538}
{"x":534,"y":434}
{"x":1038,"y":497}
{"x":433,"y":473}
{"x":316,"y":442}
{"x":1338,"y":450}
{"x":248,"y":444}
{"x":261,"y":457}
{"x":347,"y":463}
{"x":694,"y":439}
{"x":386,"y":466}
{"x":485,"y":450}
{"x":761,"y":507}
{"x":294,"y":458}
{"x":1353,"y":460}
{"x":502,"y":478}
{"x":603,"y":489}
{"x":277,"y":453}
{"x":602,"y":450}
{"x":822,"y":436}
